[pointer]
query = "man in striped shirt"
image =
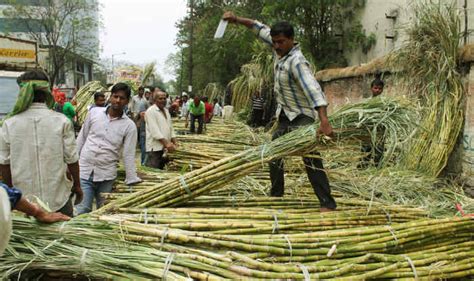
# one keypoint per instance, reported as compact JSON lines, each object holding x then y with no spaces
{"x":300,"y":101}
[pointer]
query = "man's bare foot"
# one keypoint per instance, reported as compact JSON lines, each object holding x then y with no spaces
{"x":326,"y":210}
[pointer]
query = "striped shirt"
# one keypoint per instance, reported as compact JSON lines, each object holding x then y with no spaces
{"x":257,"y":103}
{"x":296,"y":89}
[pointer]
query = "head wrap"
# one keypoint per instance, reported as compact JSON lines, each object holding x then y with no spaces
{"x":26,"y":95}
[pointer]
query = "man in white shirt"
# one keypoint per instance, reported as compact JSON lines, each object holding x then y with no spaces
{"x":136,"y":100}
{"x":37,"y":147}
{"x":160,"y":135}
{"x":217,"y":108}
{"x":106,"y":132}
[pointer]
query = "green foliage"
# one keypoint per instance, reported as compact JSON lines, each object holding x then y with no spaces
{"x":322,"y":28}
{"x":65,"y":29}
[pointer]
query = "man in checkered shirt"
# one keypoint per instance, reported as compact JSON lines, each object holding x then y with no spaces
{"x":300,"y":101}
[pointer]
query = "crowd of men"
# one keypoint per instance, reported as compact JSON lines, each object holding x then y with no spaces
{"x":41,"y":157}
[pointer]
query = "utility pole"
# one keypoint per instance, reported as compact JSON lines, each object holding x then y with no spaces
{"x":191,"y":19}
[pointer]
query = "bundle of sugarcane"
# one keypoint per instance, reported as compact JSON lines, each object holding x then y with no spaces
{"x":253,"y":78}
{"x":94,"y":249}
{"x":352,"y":121}
{"x":423,"y":248}
{"x":148,"y":73}
{"x":213,"y":91}
{"x":85,"y":97}
{"x":301,"y":217}
{"x":428,"y":65}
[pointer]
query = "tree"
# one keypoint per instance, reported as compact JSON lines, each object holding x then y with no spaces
{"x":323,"y":28}
{"x":62,"y":26}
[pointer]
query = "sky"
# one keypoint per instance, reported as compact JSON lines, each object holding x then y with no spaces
{"x":143,"y":29}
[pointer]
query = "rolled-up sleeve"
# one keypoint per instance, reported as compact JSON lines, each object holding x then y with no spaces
{"x":4,"y":146}
{"x":69,"y":144}
{"x":307,"y":82}
{"x":14,"y":195}
{"x":130,"y":143}
{"x":263,"y":33}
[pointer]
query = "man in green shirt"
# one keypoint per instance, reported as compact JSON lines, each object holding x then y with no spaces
{"x":196,"y":111}
{"x":69,"y":111}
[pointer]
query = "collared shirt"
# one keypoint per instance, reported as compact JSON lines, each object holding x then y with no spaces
{"x":197,"y":110}
{"x":135,"y":103}
{"x":99,"y":144}
{"x":157,"y":127}
{"x":37,"y":144}
{"x":296,"y":88}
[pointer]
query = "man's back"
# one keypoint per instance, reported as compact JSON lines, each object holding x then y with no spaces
{"x":39,"y":143}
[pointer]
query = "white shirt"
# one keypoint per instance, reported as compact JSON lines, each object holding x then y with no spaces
{"x":37,"y":144}
{"x":185,"y":108}
{"x":135,"y":104}
{"x":157,"y":127}
{"x":217,"y":110}
{"x":99,"y":144}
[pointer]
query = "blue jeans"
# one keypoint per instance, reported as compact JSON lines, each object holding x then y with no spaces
{"x":142,"y":148}
{"x":91,"y":190}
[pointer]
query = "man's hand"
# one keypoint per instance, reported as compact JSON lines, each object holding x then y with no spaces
{"x":325,"y":128}
{"x":46,"y":217}
{"x":229,"y":16}
{"x":77,"y":190}
{"x":170,"y":147}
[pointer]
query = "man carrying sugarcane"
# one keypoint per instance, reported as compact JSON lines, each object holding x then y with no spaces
{"x":38,"y":148}
{"x":300,"y":101}
{"x":373,"y":153}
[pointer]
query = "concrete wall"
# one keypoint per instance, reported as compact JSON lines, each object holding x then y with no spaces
{"x":468,"y":134}
{"x":386,"y":19}
{"x":353,"y":89}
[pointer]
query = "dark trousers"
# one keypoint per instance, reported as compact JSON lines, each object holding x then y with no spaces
{"x":314,"y":166}
{"x":67,"y":209}
{"x":257,"y":116}
{"x":155,"y":159}
{"x":142,"y":142}
{"x":373,"y":155}
{"x":200,"y":119}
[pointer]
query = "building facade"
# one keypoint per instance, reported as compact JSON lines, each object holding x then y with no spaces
{"x":78,"y":68}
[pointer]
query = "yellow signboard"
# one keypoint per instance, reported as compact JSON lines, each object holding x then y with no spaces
{"x":16,"y":53}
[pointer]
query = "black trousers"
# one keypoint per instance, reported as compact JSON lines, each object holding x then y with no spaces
{"x":373,"y":155}
{"x":155,"y":159}
{"x":67,"y":209}
{"x":257,"y":116}
{"x":314,"y":166}
{"x":200,"y":119}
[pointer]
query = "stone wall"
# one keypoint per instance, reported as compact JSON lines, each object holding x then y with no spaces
{"x":468,"y":134}
{"x":353,"y":89}
{"x":340,"y":91}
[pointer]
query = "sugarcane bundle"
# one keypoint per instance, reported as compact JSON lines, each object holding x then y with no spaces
{"x":85,"y":97}
{"x":428,"y":65}
{"x":213,"y":91}
{"x":352,"y":121}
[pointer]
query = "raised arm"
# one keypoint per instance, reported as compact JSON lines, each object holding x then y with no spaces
{"x":260,"y":29}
